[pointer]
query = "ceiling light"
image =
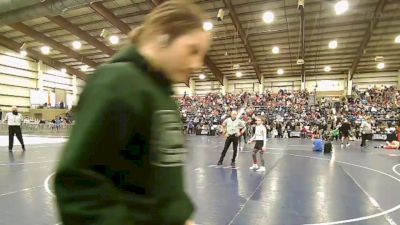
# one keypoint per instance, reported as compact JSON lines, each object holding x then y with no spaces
{"x":380,"y":65}
{"x":333,"y":44}
{"x":23,"y":53}
{"x":207,"y":26}
{"x":275,"y":50}
{"x":268,"y":17}
{"x":114,"y":39}
{"x":239,"y":74}
{"x":397,"y":40}
{"x":76,"y":45}
{"x":45,"y":50}
{"x":341,"y":7}
{"x":280,"y":71}
{"x":202,"y":76}
{"x":63,"y":71}
{"x":327,"y":69}
{"x":84,"y":68}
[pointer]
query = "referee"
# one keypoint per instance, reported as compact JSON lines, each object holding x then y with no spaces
{"x":14,"y":120}
{"x":232,"y":127}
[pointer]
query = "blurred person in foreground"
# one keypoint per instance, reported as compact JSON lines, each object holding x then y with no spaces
{"x":124,"y":160}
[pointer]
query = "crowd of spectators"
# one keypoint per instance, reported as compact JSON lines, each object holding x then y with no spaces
{"x":286,"y":111}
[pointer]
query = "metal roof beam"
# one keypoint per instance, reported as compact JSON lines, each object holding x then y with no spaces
{"x":207,"y":61}
{"x":54,"y":44}
{"x":114,"y":20}
{"x":110,"y":17}
{"x":367,"y":36}
{"x":75,"y":30}
{"x":8,"y":43}
{"x":243,"y":36}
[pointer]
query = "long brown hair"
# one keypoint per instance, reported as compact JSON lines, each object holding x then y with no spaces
{"x":172,"y":19}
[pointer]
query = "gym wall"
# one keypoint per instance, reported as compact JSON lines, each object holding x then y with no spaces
{"x":19,"y":75}
{"x":330,"y":85}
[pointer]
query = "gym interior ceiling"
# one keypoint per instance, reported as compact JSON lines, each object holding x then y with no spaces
{"x":243,"y":38}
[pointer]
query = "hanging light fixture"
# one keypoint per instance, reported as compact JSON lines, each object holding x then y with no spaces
{"x":45,"y":50}
{"x":84,"y":68}
{"x":333,"y":44}
{"x":327,"y":69}
{"x":76,"y":45}
{"x":207,"y":26}
{"x":114,"y":39}
{"x":341,"y":7}
{"x":268,"y":17}
{"x":381,"y":65}
{"x":275,"y":50}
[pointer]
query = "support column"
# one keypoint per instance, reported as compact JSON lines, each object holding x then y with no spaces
{"x":192,"y":85}
{"x":398,"y":79}
{"x":224,"y":88}
{"x":303,"y":86}
{"x":40,"y":75}
{"x":261,"y":86}
{"x":349,"y":84}
{"x":74,"y":90}
{"x":74,"y":86}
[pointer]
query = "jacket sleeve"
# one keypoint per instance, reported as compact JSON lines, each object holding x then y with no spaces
{"x":84,"y":194}
{"x":167,"y":156}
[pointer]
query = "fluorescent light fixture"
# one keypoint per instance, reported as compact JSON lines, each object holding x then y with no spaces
{"x":84,"y":68}
{"x":268,"y":17}
{"x":380,"y":65}
{"x":23,"y":53}
{"x":207,"y":26}
{"x":76,"y":45}
{"x":397,"y":40}
{"x":333,"y":44}
{"x":114,"y":39}
{"x":45,"y":50}
{"x":275,"y":50}
{"x":327,"y":69}
{"x":341,"y":7}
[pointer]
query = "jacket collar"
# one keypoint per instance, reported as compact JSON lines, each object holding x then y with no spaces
{"x":131,"y":54}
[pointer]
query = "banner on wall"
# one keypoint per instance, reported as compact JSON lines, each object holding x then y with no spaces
{"x":38,"y":97}
{"x":326,"y":85}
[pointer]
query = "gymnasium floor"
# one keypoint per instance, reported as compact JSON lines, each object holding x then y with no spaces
{"x":350,"y":186}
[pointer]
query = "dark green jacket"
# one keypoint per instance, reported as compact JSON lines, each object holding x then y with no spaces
{"x":123,"y":163}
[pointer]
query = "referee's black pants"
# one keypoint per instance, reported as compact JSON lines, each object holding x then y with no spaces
{"x":364,"y":139}
{"x":14,"y":130}
{"x":229,"y":140}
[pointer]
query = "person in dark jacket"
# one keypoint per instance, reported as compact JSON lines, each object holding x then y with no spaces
{"x":123,"y":163}
{"x":345,"y":131}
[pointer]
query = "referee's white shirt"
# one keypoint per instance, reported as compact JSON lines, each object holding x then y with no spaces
{"x":234,"y":126}
{"x":13,"y":120}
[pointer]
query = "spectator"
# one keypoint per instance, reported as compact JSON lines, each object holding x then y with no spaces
{"x":318,"y":144}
